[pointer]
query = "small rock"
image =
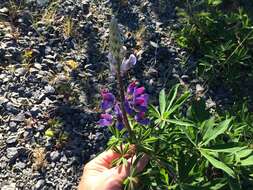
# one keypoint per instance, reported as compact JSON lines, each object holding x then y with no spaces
{"x":40,"y":184}
{"x":20,"y":71}
{"x":55,"y":155}
{"x":49,"y":89}
{"x":19,"y":118}
{"x":63,"y":159}
{"x":11,"y":140}
{"x":4,"y":10}
{"x":11,"y":108}
{"x":12,"y":124}
{"x":12,"y":153}
{"x":11,"y":186}
{"x":199,"y":88}
{"x":20,"y":165}
{"x":3,"y":100}
{"x":35,"y":111}
{"x":38,"y":66}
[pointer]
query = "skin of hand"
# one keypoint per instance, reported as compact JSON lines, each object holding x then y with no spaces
{"x":99,"y":175}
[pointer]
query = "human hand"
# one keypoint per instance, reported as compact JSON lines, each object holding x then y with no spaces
{"x":99,"y":175}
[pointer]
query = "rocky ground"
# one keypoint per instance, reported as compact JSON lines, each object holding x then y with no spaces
{"x":52,"y":66}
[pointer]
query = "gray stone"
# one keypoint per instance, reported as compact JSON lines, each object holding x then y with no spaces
{"x":12,"y":140}
{"x":55,"y":155}
{"x":12,"y":153}
{"x":3,"y":100}
{"x":11,"y":186}
{"x":20,"y":71}
{"x":40,"y":183}
{"x":41,"y":128}
{"x":19,"y":118}
{"x":4,"y":10}
{"x":49,"y":89}
{"x":11,"y":108}
{"x":35,"y":111}
{"x":38,"y":66}
{"x":20,"y":165}
{"x":63,"y":159}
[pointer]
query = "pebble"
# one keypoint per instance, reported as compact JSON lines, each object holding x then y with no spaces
{"x":20,"y":165}
{"x":49,"y":89}
{"x":11,"y":186}
{"x":4,"y":10}
{"x":20,"y":71}
{"x":19,"y":118}
{"x":3,"y":100}
{"x":12,"y":153}
{"x":40,"y":183}
{"x":11,"y":140}
{"x":55,"y":155}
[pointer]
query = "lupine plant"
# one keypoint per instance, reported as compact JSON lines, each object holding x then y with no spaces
{"x":188,"y":148}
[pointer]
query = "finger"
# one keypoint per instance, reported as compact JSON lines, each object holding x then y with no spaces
{"x":142,"y":163}
{"x":105,"y":159}
{"x":123,"y":171}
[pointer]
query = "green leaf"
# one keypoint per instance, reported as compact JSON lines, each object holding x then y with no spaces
{"x":226,"y":148}
{"x":179,"y":102}
{"x":247,"y":162}
{"x":217,"y":164}
{"x":162,"y":101}
{"x":178,"y":122}
{"x":172,"y":95}
{"x":213,"y":131}
{"x":150,"y":140}
{"x":49,"y":133}
{"x":244,"y":153}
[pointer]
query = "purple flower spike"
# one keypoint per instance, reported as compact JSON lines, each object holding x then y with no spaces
{"x":128,"y":63}
{"x":140,"y":118}
{"x":106,"y":120}
{"x":108,"y":100}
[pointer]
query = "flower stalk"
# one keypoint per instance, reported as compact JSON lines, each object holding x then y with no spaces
{"x":122,"y":100}
{"x":117,"y":53}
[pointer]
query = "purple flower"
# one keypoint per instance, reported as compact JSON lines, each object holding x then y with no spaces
{"x":108,"y":100}
{"x":140,"y":118}
{"x":127,"y":63}
{"x":136,"y":104}
{"x":131,"y":87}
{"x":119,"y":122}
{"x":105,"y":120}
{"x":141,"y":102}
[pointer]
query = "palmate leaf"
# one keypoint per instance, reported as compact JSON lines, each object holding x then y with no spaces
{"x":217,"y":164}
{"x":213,"y":131}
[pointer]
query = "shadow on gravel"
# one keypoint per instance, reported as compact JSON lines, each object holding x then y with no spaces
{"x":126,"y":16}
{"x":84,"y":138}
{"x":163,"y":9}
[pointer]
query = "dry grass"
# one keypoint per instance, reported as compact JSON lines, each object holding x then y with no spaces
{"x":38,"y":157}
{"x":68,"y":27}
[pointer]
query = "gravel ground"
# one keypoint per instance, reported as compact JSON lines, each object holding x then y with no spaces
{"x":52,"y":67}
